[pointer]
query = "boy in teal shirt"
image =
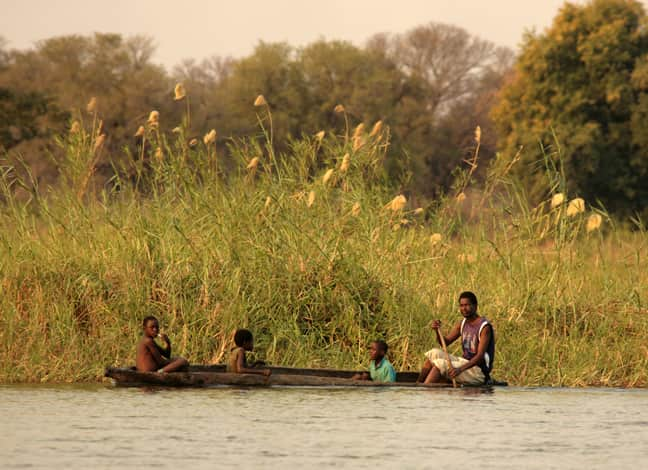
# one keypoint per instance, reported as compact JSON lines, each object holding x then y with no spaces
{"x":380,"y":369}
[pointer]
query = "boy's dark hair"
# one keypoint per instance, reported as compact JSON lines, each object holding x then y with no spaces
{"x":242,"y":336}
{"x":472,"y":298}
{"x":148,"y":319}
{"x":382,"y":345}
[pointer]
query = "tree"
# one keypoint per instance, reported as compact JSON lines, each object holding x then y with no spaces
{"x":584,"y":79}
{"x":452,"y":78}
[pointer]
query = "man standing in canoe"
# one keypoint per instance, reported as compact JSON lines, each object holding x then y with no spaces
{"x":477,"y":342}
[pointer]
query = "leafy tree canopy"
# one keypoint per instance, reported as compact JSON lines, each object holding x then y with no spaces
{"x":586,"y":79}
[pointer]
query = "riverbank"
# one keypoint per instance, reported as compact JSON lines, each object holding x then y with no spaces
{"x":317,"y":255}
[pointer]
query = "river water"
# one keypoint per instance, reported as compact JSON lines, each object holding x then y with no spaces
{"x":105,"y":427}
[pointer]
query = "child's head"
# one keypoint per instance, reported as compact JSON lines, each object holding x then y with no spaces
{"x":378,"y":349}
{"x":244,"y":339}
{"x":151,"y":326}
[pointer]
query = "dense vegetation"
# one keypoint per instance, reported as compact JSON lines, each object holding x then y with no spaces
{"x":353,"y":199}
{"x":432,"y":85}
{"x":585,"y":80}
{"x":315,"y":252}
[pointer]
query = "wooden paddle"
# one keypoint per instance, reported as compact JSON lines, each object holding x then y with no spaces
{"x":445,"y":350}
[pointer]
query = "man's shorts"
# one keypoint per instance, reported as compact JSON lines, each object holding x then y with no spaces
{"x":472,"y":376}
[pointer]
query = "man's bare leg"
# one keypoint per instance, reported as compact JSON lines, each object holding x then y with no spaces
{"x":176,"y":364}
{"x":427,"y":366}
{"x":433,"y":377}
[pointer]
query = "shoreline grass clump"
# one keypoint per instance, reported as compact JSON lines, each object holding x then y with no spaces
{"x":316,"y":252}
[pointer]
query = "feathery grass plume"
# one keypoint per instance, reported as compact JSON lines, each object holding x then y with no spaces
{"x":154,"y":117}
{"x":376,"y":129}
{"x":397,"y":203}
{"x":594,"y":222}
{"x":75,"y":128}
{"x":355,"y":210}
{"x":461,"y":197}
{"x":193,"y":142}
{"x":210,"y":137}
{"x":357,"y":143}
{"x":327,"y":176}
{"x":268,"y":201}
{"x":99,"y":142}
{"x":311,"y":199}
{"x":478,"y":134}
{"x":253,"y":164}
{"x":435,"y":238}
{"x":92,"y":105}
{"x":418,"y":211}
{"x":357,"y":132}
{"x":140,"y":131}
{"x":339,"y":108}
{"x":466,"y":258}
{"x":576,"y":206}
{"x":176,"y":130}
{"x":158,"y":153}
{"x":557,"y":199}
{"x":344,"y":166}
{"x":404,"y":221}
{"x":260,"y":101}
{"x":396,"y":226}
{"x":179,"y":91}
{"x":320,"y":135}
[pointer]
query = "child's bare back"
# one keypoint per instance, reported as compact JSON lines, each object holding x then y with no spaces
{"x":237,"y":361}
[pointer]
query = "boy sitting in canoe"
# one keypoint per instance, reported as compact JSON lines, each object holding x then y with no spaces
{"x":237,"y":364}
{"x":380,"y":369}
{"x":150,"y":356}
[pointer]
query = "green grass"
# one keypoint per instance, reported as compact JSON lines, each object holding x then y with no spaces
{"x":182,"y":239}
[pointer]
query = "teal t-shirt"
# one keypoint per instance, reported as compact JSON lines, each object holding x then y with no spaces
{"x":383,"y":373}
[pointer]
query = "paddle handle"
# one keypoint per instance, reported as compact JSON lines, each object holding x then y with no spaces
{"x":445,"y":350}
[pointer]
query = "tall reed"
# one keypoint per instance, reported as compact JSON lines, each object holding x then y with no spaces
{"x":316,"y":260}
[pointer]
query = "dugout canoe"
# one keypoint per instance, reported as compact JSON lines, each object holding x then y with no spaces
{"x":209,"y":376}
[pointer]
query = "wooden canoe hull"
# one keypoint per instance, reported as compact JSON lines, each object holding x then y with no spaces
{"x":339,"y":373}
{"x":279,"y":377}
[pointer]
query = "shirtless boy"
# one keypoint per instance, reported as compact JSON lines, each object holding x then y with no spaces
{"x":153,"y":358}
{"x":244,"y":341}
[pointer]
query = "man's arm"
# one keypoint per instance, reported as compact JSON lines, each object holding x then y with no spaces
{"x":166,"y":351}
{"x":484,"y":341}
{"x":240,"y":366}
{"x":450,"y":337}
{"x":154,"y":350}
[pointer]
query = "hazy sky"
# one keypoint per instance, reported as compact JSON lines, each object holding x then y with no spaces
{"x":202,"y":28}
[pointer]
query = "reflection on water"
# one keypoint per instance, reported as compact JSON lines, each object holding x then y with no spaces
{"x":105,"y":427}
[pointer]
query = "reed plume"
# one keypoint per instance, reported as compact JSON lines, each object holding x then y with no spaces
{"x":376,"y":129}
{"x":154,"y":117}
{"x":253,"y":164}
{"x":594,"y":222}
{"x":210,"y":137}
{"x":92,"y":105}
{"x":557,"y":200}
{"x":344,"y":166}
{"x":575,"y":206}
{"x":397,"y":203}
{"x":179,"y":92}
{"x":327,"y":176}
